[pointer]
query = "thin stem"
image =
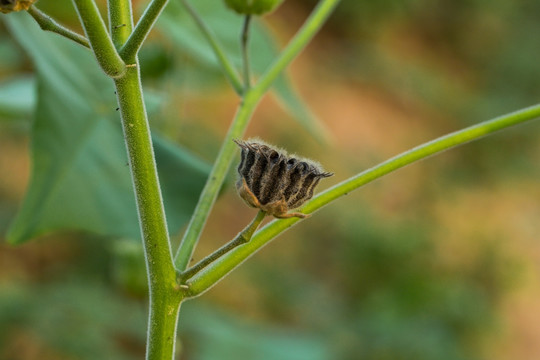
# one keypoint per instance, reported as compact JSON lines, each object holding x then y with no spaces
{"x":226,"y":65}
{"x":304,"y":35}
{"x":47,"y":23}
{"x":142,"y":29}
{"x":215,"y":181}
{"x":100,"y":41}
{"x":214,"y":272}
{"x":238,"y":127}
{"x":244,"y":40}
{"x":120,"y":21}
{"x":243,"y":237}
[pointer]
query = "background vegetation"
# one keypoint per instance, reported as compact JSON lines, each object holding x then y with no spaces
{"x":437,"y":261}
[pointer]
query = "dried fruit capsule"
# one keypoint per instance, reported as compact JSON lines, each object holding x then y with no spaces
{"x":273,"y":181}
{"x":253,"y":7}
{"x":7,"y":6}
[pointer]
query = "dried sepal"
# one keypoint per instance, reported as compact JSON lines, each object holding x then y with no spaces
{"x":273,"y":181}
{"x":7,"y":6}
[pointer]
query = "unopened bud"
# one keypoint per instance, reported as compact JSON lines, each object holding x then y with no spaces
{"x":275,"y":182}
{"x":253,"y":7}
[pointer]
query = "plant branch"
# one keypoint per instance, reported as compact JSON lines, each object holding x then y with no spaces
{"x":120,"y":21}
{"x":214,"y":272}
{"x":214,"y":181}
{"x":243,"y":237}
{"x":165,"y":296}
{"x":238,"y":127}
{"x":142,"y":29}
{"x":100,"y":41}
{"x":226,"y":65}
{"x":165,"y":293}
{"x":244,"y":40}
{"x":47,"y":23}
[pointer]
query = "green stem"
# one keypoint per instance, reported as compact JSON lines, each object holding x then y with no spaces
{"x":100,"y":41}
{"x":143,"y":27}
{"x":214,"y":272}
{"x":47,"y":23}
{"x":304,"y":35}
{"x":238,"y":127}
{"x":243,"y":237}
{"x":165,"y":293}
{"x":244,"y":40}
{"x":120,"y":21}
{"x":226,"y":65}
{"x":215,"y":181}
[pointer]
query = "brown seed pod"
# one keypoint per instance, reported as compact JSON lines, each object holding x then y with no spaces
{"x":274,"y":181}
{"x":7,"y":6}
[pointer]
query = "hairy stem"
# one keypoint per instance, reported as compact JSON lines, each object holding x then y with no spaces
{"x":100,"y":41}
{"x":243,"y":237}
{"x":142,"y":29}
{"x":226,"y":65}
{"x":120,"y":21}
{"x":215,"y":181}
{"x":244,"y":40}
{"x":47,"y":23}
{"x":238,"y":127}
{"x":165,"y":294}
{"x":215,"y":271}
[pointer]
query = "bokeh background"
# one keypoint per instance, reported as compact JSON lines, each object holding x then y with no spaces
{"x":440,"y":260}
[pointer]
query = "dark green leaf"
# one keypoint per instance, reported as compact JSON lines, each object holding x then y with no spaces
{"x":80,"y":178}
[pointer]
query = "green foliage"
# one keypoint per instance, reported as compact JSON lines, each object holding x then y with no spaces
{"x":376,"y":293}
{"x":80,"y":178}
{"x":233,"y":336}
{"x":78,"y":320}
{"x":380,"y":292}
{"x":176,"y":24}
{"x":17,"y":98}
{"x":406,"y":305}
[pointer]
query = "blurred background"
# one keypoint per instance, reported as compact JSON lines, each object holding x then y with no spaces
{"x":439,"y":260}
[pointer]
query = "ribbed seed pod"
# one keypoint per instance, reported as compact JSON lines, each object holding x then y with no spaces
{"x":7,"y":6}
{"x":273,"y":181}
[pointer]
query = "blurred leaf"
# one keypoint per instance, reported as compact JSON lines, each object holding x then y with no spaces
{"x":128,"y":269}
{"x":83,"y":320}
{"x":231,"y":338}
{"x":17,"y":98}
{"x":80,"y":178}
{"x":177,"y":24}
{"x":11,"y":57}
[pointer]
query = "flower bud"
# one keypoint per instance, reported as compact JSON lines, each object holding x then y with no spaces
{"x":253,"y":7}
{"x":7,"y":6}
{"x":273,"y":181}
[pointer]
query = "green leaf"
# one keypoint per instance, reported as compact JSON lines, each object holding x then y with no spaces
{"x":231,"y":336}
{"x":80,"y":179}
{"x":226,"y":25}
{"x":107,"y":319}
{"x":17,"y":98}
